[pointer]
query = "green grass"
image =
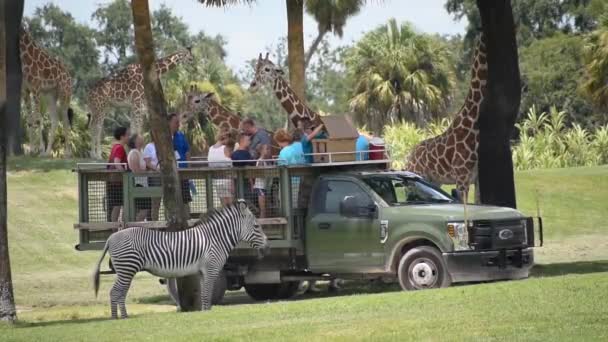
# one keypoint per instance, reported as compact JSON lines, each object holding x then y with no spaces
{"x":55,"y":299}
{"x":558,"y":308}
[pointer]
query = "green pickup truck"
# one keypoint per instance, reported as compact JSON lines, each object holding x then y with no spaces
{"x":341,"y":220}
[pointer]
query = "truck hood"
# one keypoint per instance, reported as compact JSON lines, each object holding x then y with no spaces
{"x":452,"y":212}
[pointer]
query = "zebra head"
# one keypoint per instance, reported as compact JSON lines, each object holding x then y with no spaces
{"x":251,"y":231}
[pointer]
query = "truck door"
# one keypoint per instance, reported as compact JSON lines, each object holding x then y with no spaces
{"x":341,"y":242}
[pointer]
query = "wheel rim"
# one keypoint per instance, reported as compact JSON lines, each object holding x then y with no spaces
{"x":423,"y":273}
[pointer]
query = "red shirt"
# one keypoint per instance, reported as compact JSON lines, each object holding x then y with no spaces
{"x":118,"y":152}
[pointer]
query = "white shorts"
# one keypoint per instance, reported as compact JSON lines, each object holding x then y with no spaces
{"x":223,"y":187}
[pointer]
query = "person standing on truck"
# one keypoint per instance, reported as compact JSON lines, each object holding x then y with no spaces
{"x":138,"y":164}
{"x":151,"y":160}
{"x":258,"y":135}
{"x":117,"y":161}
{"x":182,"y":149}
{"x":309,"y":132}
{"x":219,"y":156}
{"x":259,"y":186}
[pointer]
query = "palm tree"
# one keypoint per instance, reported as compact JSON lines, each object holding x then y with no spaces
{"x":595,"y":82}
{"x":399,"y":74}
{"x":295,"y":46}
{"x":11,"y":13}
{"x":331,"y":16}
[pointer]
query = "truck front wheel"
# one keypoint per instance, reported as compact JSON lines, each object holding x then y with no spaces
{"x":422,"y":268}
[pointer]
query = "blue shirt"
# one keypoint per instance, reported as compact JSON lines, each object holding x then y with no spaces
{"x":307,"y":146}
{"x":292,"y":154}
{"x":242,"y":155}
{"x":362,"y":144}
{"x":180,"y":145}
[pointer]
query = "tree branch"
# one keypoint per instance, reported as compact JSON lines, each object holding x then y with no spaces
{"x":313,"y":48}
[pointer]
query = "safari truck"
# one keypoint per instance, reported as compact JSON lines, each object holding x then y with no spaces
{"x":346,"y":219}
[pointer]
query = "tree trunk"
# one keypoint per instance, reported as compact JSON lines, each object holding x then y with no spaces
{"x":14,"y":77}
{"x":500,"y":107}
{"x":295,"y":46}
{"x":175,"y":213}
{"x":313,"y":48}
{"x":8,"y":69}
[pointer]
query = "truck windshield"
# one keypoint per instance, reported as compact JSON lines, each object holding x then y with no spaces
{"x":399,"y":190}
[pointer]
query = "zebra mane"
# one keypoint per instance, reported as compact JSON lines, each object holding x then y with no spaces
{"x":205,"y":217}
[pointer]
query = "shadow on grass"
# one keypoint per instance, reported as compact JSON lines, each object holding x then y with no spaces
{"x":560,"y":269}
{"x":61,"y":322}
{"x":42,"y":164}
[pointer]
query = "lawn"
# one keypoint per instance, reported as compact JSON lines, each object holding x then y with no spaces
{"x":52,"y":280}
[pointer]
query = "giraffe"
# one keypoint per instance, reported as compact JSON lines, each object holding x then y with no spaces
{"x":451,"y":157}
{"x":267,"y":73}
{"x":125,"y":88}
{"x":205,"y":106}
{"x":45,"y":78}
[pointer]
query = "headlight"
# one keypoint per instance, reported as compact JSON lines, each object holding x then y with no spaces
{"x":460,"y":236}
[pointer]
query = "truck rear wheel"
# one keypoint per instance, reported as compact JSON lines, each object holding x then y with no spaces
{"x":422,"y":268}
{"x":283,"y":290}
{"x":219,"y":289}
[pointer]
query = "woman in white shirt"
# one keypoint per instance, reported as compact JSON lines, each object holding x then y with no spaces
{"x":219,"y":156}
{"x":137,"y":164}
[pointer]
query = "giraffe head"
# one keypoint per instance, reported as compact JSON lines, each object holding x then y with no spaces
{"x":265,"y":72}
{"x":197,"y":105}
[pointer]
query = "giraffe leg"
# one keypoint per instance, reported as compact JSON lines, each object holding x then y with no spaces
{"x":54,"y":124}
{"x":477,"y":192}
{"x":38,"y":123}
{"x":67,"y":129}
{"x":95,"y":129}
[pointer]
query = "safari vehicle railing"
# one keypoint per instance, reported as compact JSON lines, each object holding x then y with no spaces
{"x":110,"y":200}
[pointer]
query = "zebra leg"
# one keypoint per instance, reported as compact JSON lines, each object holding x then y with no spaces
{"x":209,"y":276}
{"x":119,"y":291}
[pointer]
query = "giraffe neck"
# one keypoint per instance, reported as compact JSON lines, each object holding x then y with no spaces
{"x":168,"y":63}
{"x":295,"y":107}
{"x":468,"y":115}
{"x":222,"y":117}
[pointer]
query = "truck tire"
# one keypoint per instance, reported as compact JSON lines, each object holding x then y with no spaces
{"x":422,"y":268}
{"x":283,"y":290}
{"x":219,"y":289}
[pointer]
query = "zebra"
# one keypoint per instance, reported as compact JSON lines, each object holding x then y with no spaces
{"x":204,"y":248}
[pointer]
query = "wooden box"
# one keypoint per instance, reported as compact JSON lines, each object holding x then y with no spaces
{"x":341,"y":137}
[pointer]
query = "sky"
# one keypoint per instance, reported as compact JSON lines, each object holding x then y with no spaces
{"x":249,"y":30}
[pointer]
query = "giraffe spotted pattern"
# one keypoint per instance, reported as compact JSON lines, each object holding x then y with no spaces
{"x":451,"y":157}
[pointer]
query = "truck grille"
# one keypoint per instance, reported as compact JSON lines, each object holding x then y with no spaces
{"x":498,"y":234}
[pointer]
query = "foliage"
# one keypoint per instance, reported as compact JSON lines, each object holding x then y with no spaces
{"x":551,"y":70}
{"x":535,"y":19}
{"x":399,"y":74}
{"x":546,"y":142}
{"x":595,"y":83}
{"x":115,"y":35}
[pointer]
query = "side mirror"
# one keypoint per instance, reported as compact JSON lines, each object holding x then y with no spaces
{"x":456,"y":195}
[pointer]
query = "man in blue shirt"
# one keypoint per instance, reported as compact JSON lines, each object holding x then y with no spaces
{"x":182,"y":153}
{"x":362,"y":144}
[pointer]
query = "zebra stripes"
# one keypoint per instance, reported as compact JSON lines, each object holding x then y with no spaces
{"x":203,"y":248}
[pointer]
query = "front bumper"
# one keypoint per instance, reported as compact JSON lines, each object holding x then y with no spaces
{"x":489,"y":265}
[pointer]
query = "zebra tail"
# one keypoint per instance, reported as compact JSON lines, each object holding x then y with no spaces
{"x":96,"y":273}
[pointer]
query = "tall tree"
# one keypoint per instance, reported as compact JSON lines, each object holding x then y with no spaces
{"x":14,"y":78}
{"x":399,"y":74}
{"x":295,"y":46}
{"x":11,"y":12}
{"x":115,"y":33}
{"x":594,"y":84}
{"x":177,"y":218}
{"x":500,"y":106}
{"x":331,"y":16}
